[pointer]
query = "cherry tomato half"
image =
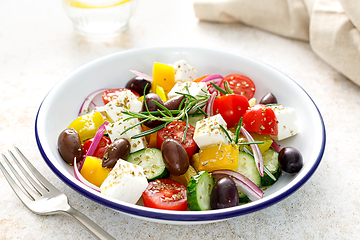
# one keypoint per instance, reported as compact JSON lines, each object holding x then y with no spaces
{"x":165,"y":194}
{"x":112,"y":94}
{"x":231,"y":107}
{"x":260,"y":119}
{"x":175,"y":130}
{"x":99,"y":151}
{"x":240,"y":84}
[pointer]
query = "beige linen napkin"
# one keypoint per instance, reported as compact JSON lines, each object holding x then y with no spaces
{"x":332,"y":27}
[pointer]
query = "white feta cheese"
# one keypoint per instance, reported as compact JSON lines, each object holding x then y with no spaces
{"x":287,"y":122}
{"x":115,"y":129}
{"x":183,"y":71}
{"x":208,"y":132}
{"x":125,"y":182}
{"x":125,"y":101}
{"x":137,"y":144}
{"x":195,"y":88}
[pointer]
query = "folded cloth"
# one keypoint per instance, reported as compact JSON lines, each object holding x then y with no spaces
{"x":332,"y":27}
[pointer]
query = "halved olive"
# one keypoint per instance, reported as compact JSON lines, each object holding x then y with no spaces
{"x":119,"y":149}
{"x":151,"y":106}
{"x":268,"y":98}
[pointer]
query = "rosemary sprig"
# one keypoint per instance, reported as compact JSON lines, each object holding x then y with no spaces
{"x":237,"y":133}
{"x":167,"y":116}
{"x":218,"y":88}
{"x":151,"y":131}
{"x":225,"y":91}
{"x":227,"y":88}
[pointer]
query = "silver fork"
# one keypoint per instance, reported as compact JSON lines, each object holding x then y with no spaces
{"x":44,"y":198}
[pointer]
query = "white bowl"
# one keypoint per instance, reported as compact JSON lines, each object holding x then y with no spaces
{"x":60,"y":107}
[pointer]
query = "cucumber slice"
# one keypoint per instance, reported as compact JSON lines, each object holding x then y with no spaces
{"x":151,"y":160}
{"x":195,"y":118}
{"x":271,"y":162}
{"x":199,"y":191}
{"x":247,"y":167}
{"x":243,"y":198}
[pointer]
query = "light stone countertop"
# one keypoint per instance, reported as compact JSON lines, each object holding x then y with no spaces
{"x":38,"y":47}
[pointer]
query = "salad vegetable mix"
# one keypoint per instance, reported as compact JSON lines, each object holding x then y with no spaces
{"x":177,"y":141}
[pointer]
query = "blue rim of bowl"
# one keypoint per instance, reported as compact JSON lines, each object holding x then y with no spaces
{"x":168,"y":216}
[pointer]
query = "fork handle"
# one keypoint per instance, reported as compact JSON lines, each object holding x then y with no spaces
{"x":92,"y":227}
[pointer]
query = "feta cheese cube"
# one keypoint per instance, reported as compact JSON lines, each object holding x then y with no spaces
{"x":137,"y":144}
{"x":183,"y":71}
{"x":287,"y":122}
{"x":208,"y":132}
{"x":125,"y":101}
{"x":115,"y":129}
{"x":125,"y":182}
{"x":195,"y":88}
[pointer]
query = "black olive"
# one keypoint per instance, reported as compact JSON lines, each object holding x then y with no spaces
{"x":151,"y":106}
{"x":269,"y":98}
{"x":174,"y":103}
{"x":224,"y":194}
{"x":175,"y":157}
{"x":119,"y":149}
{"x":290,"y":160}
{"x":138,"y":84}
{"x":69,"y":146}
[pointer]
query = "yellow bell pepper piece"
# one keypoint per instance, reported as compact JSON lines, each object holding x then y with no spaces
{"x":141,"y":99}
{"x":151,"y":139}
{"x":93,"y":171}
{"x":220,"y":156}
{"x":262,"y":138}
{"x":87,"y":125}
{"x":194,"y":161}
{"x":163,"y":76}
{"x":161,"y":93}
{"x":258,"y":138}
{"x":185,"y":178}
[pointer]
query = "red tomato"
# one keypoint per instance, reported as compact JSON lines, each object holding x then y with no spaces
{"x":175,"y":130}
{"x":165,"y":194}
{"x":231,"y":107}
{"x":260,"y":119}
{"x":112,"y":94}
{"x":99,"y":151}
{"x":240,"y":84}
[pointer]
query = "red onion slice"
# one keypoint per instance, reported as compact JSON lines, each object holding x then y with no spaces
{"x":216,"y":79}
{"x":276,"y":146}
{"x":211,"y":77}
{"x":85,"y":106}
{"x":244,"y":184}
{"x":142,"y":75}
{"x":259,"y":161}
{"x":79,"y":177}
{"x":100,"y":132}
{"x":210,"y":105}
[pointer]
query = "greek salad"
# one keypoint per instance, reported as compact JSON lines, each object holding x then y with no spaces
{"x":176,"y":141}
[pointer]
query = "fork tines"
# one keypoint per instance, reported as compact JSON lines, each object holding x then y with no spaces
{"x":26,"y":192}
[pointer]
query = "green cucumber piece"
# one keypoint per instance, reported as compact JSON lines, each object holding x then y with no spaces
{"x":247,"y":167}
{"x":195,"y":118}
{"x":271,"y":162}
{"x":151,"y":160}
{"x":199,"y":191}
{"x":243,"y":198}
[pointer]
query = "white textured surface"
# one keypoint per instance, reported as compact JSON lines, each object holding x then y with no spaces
{"x":38,"y":47}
